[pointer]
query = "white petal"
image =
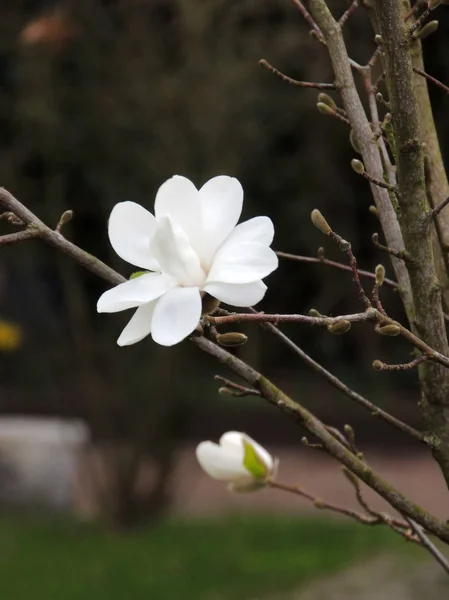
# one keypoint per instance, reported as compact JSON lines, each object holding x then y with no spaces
{"x":221,"y":464}
{"x":139,"y":325}
{"x":242,"y":263}
{"x":135,"y":292}
{"x":130,"y":229}
{"x":176,"y":315}
{"x":237,"y":294}
{"x":232,"y":440}
{"x":221,"y":207}
{"x":258,"y":229}
{"x":179,"y":198}
{"x":175,"y":255}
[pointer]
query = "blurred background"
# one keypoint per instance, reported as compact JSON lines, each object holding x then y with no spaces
{"x":100,"y":493}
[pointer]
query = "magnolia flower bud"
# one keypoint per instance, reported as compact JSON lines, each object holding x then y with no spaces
{"x":357,"y":165}
{"x":326,"y":99}
{"x":380,"y":275}
{"x":378,"y":365}
{"x":390,"y":330}
{"x":425,"y":31}
{"x":339,"y":327}
{"x":66,"y":216}
{"x":354,"y":141}
{"x":320,"y":222}
{"x":325,"y":109}
{"x":232,"y":339}
{"x":238,"y":460}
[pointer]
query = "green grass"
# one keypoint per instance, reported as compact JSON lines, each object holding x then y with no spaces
{"x":236,"y":558}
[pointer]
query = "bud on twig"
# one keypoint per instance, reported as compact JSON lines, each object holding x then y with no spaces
{"x":339,"y":327}
{"x":354,"y":142}
{"x":314,"y":313}
{"x":225,"y":391}
{"x":433,"y":4}
{"x":390,"y":330}
{"x":326,"y":99}
{"x":358,"y":166}
{"x":425,"y":31}
{"x":378,"y":365}
{"x":65,"y":218}
{"x":378,"y":39}
{"x":231,"y":339}
{"x":320,"y":222}
{"x":373,"y":210}
{"x":325,"y":109}
{"x":380,"y":275}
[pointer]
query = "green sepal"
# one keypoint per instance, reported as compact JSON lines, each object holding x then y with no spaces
{"x":252,"y":462}
{"x":137,"y":274}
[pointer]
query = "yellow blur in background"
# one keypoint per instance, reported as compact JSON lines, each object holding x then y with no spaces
{"x":11,"y":336}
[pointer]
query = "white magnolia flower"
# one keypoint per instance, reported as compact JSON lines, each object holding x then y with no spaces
{"x":191,"y":245}
{"x":236,"y":459}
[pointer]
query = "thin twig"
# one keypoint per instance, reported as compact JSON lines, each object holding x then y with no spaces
{"x":333,"y":263}
{"x":436,"y":211}
{"x":323,"y":505}
{"x":19,"y":236}
{"x":345,"y":247}
{"x":378,"y":182}
{"x":375,"y":57}
{"x":381,"y":366}
{"x":376,"y":298}
{"x":310,"y":20}
{"x":428,"y":544}
{"x":342,"y":387}
{"x":302,"y":84}
{"x":235,"y":389}
{"x":419,"y":21}
{"x":401,"y":254}
{"x":433,"y":80}
{"x":371,"y":314}
{"x":379,"y":80}
{"x":291,"y":318}
{"x":348,"y":12}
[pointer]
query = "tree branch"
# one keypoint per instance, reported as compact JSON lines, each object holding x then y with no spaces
{"x":342,"y":387}
{"x":428,"y":320}
{"x":255,"y":379}
{"x":333,"y":446}
{"x":365,"y":137}
{"x":333,"y":263}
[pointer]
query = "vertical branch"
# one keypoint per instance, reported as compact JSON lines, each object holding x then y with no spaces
{"x":437,"y":181}
{"x":429,"y":317}
{"x":366,"y":141}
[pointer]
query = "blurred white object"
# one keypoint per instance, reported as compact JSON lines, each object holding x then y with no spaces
{"x":39,"y":459}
